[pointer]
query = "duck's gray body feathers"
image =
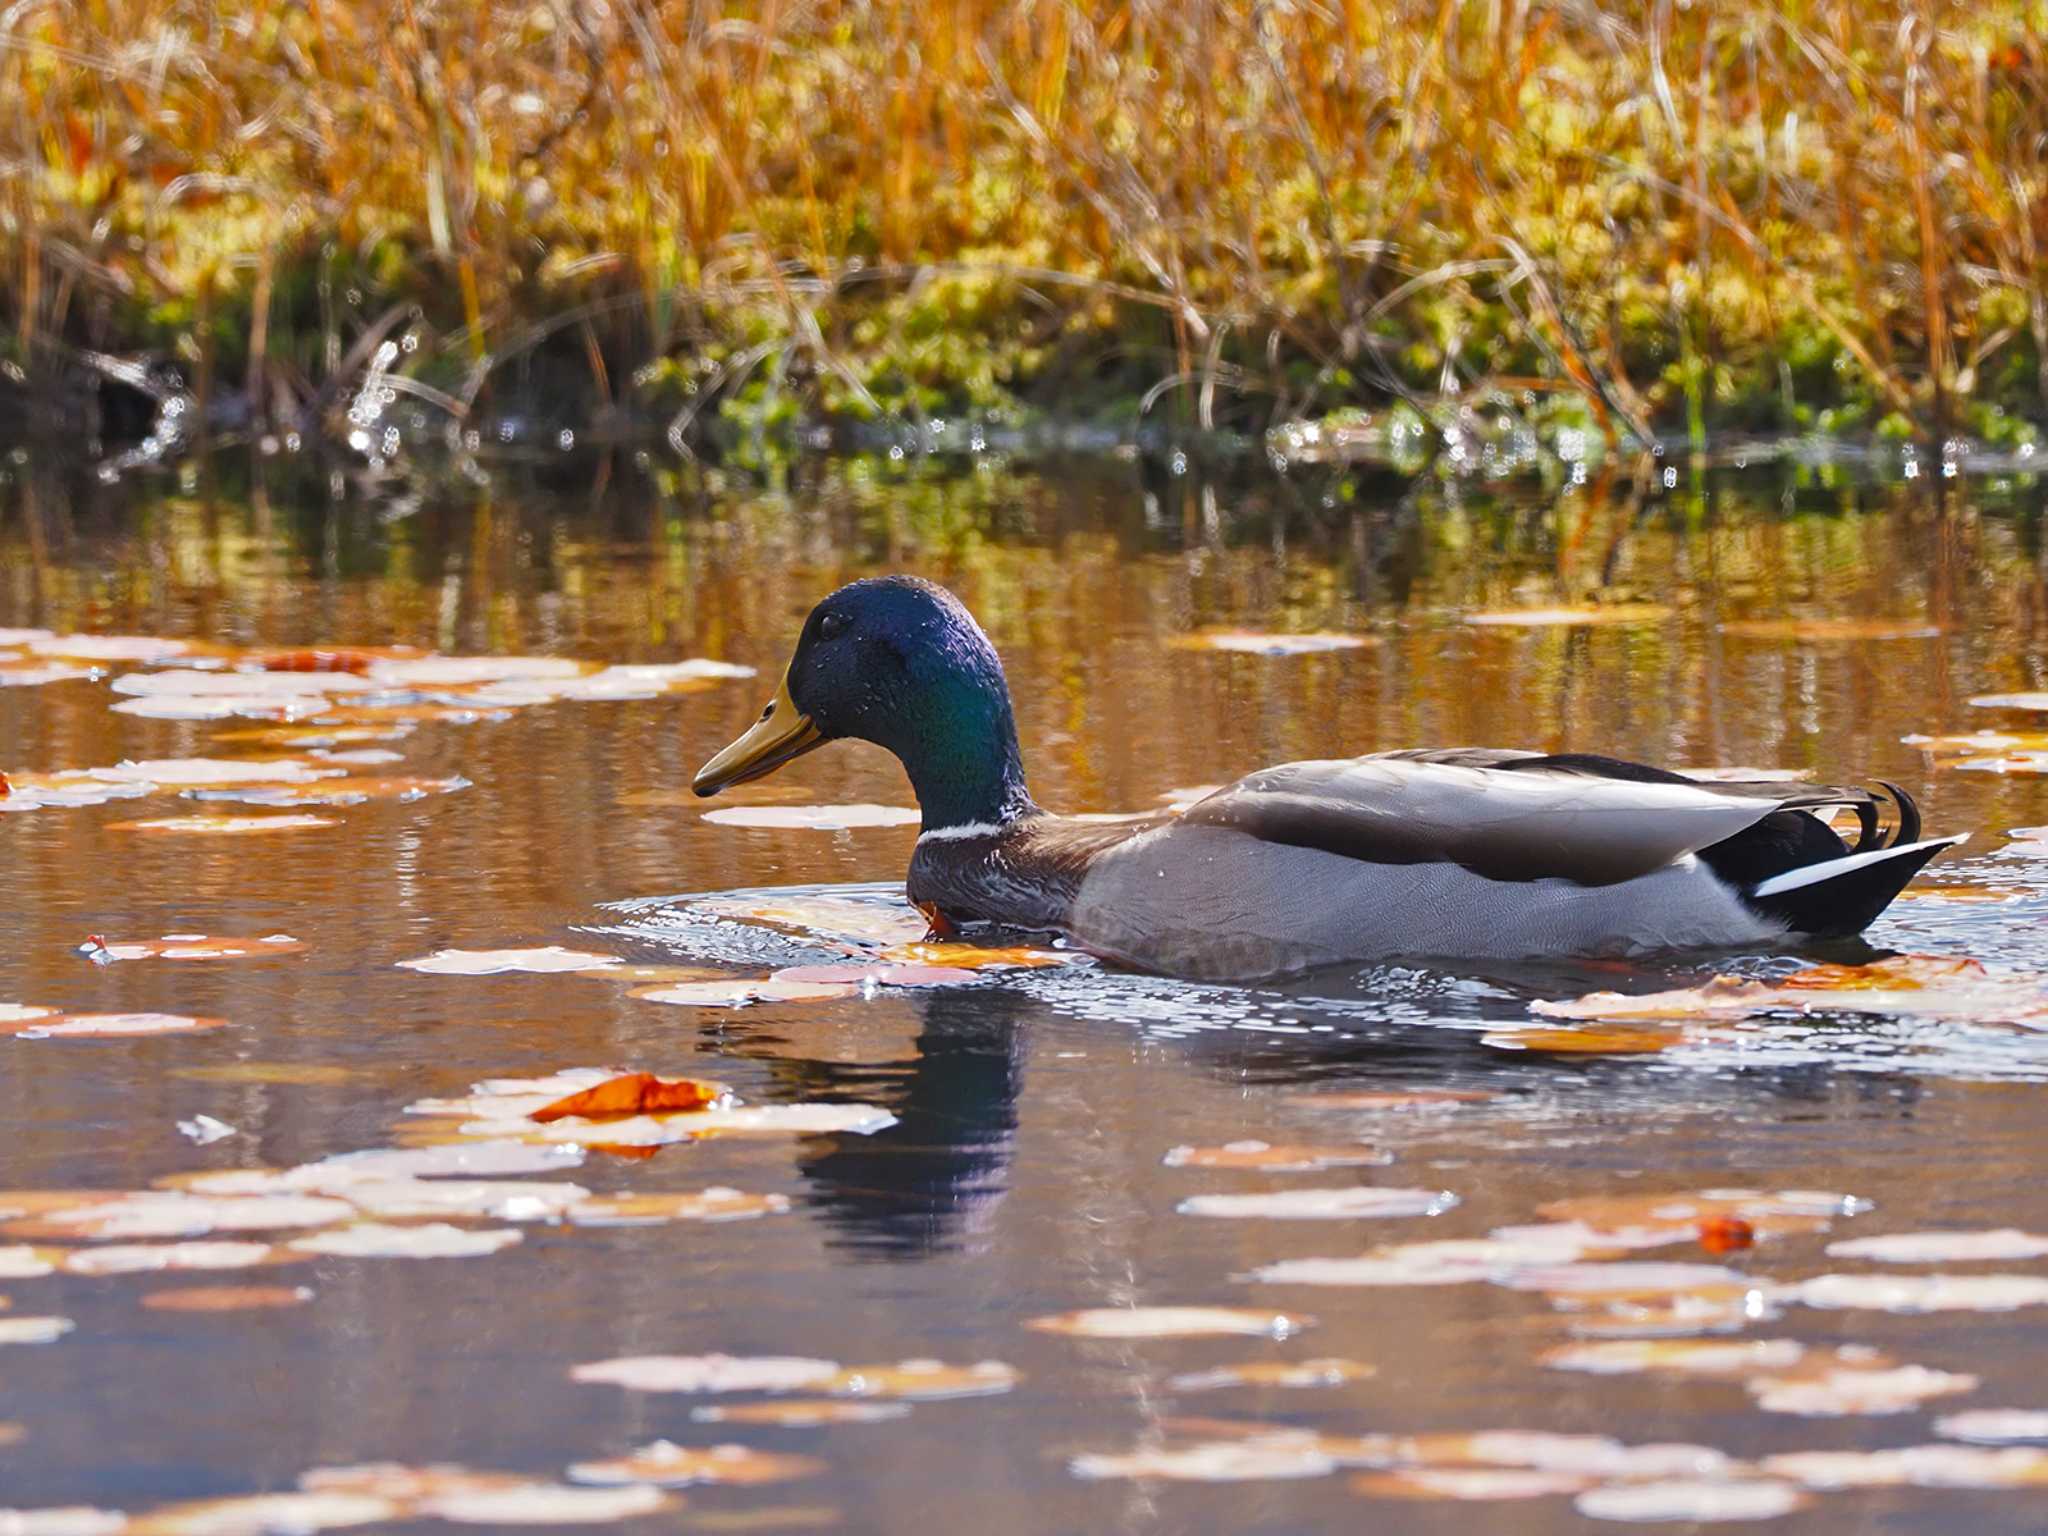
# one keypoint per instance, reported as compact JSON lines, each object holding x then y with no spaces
{"x":1472,"y":853}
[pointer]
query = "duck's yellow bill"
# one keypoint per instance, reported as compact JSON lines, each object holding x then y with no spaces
{"x":782,"y":733}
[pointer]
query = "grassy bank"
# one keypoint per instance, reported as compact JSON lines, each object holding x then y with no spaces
{"x":1642,"y":218}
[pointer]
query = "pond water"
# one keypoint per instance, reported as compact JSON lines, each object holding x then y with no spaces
{"x":1015,"y":1164}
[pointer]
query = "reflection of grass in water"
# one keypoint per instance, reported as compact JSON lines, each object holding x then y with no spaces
{"x":1721,"y":213}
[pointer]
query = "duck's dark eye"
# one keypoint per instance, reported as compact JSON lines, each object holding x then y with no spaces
{"x":832,"y":626}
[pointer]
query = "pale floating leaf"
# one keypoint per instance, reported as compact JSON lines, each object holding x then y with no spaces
{"x":431,"y":1240}
{"x":30,"y":674}
{"x":147,"y":1258}
{"x":1994,"y":1426}
{"x":405,"y":1483}
{"x":495,"y":1200}
{"x":214,"y":772}
{"x":1859,"y":1392}
{"x":112,"y":1026}
{"x":1732,"y":1359}
{"x":800,"y":1413}
{"x":739,"y":1120}
{"x":1470,"y":1484}
{"x":1223,"y":1461}
{"x":65,"y":1520}
{"x":665,"y":1464}
{"x":436,"y":672}
{"x":742,"y":991}
{"x":1923,"y":1466}
{"x":547,"y":1504}
{"x":265,"y":1514}
{"x":830,"y":917}
{"x":170,"y":1213}
{"x":22,"y":1013}
{"x":1542,"y":1450}
{"x":34,"y":1330}
{"x":708,"y":1373}
{"x":224,"y":826}
{"x":920,"y":1381}
{"x":142,"y":648}
{"x":1257,"y":643}
{"x":495,"y":962}
{"x":864,"y":975}
{"x":192,"y":946}
{"x":336,"y":791}
{"x":1924,"y":1293}
{"x":1551,"y":618}
{"x":645,"y":1210}
{"x":1275,"y":1373}
{"x":2035,"y":701}
{"x":1396,"y":1099}
{"x":1172,"y":1323}
{"x":2004,"y":1243}
{"x":820,"y":818}
{"x":1693,"y":1501}
{"x":1269,"y":1158}
{"x":1342,"y":1204}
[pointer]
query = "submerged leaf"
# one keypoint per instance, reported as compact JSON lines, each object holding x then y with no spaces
{"x":1547,"y":618}
{"x":265,"y":1514}
{"x":1831,"y":629}
{"x":1470,"y":1484}
{"x":800,"y":1413}
{"x":228,"y":1298}
{"x":1275,"y":1373}
{"x":876,"y":975}
{"x":1223,"y":1461}
{"x":741,"y":991}
{"x":1256,"y":643}
{"x":1275,"y":1159}
{"x":224,"y":826}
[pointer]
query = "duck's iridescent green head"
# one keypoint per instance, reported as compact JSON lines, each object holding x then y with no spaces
{"x":901,"y":663}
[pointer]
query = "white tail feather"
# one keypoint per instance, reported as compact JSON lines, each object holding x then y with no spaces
{"x":1813,"y":874}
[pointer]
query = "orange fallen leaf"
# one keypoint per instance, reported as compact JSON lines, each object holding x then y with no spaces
{"x":1830,"y":629}
{"x":637,"y":1093}
{"x":1726,"y":1234}
{"x":972,"y":957}
{"x":227,"y":1298}
{"x":357,"y":662}
{"x":6,"y":788}
{"x":624,"y":1154}
{"x":1608,"y":1040}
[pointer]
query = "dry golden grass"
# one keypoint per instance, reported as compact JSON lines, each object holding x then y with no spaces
{"x":1817,"y":212}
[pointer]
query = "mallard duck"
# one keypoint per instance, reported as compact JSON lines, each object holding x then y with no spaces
{"x":1467,"y":852}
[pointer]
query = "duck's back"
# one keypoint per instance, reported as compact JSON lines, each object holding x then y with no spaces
{"x":1476,"y":854}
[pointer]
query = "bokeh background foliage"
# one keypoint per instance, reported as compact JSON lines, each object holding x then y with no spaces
{"x":1823,"y":214}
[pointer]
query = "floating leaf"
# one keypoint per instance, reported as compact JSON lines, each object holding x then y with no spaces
{"x":495,"y":962}
{"x":1470,"y":1484}
{"x":1695,"y":1501}
{"x":665,"y":1464}
{"x":1924,"y":1293}
{"x":1943,"y":1247}
{"x":227,"y":1298}
{"x":1275,"y":1159}
{"x":858,"y":975}
{"x":923,"y":1380}
{"x":1396,"y":1099}
{"x":169,"y":1213}
{"x":432,"y":1240}
{"x":191,"y":946}
{"x":497,"y":1200}
{"x":1858,"y":1390}
{"x":2038,"y":701}
{"x":741,"y":991}
{"x":34,"y":1330}
{"x":546,"y":1504}
{"x":970,"y":957}
{"x":1925,"y":1466}
{"x":1341,"y":1204}
{"x":1546,"y":618}
{"x":1994,"y":1426}
{"x":1830,"y":629}
{"x":1646,"y":1220}
{"x":224,"y":826}
{"x":30,"y":674}
{"x":213,"y":772}
{"x":642,"y":1210}
{"x":23,"y":1013}
{"x":1595,"y":1040}
{"x":1275,"y":1373}
{"x":831,"y":917}
{"x":708,"y":1373}
{"x":1727,"y":1234}
{"x":143,"y":648}
{"x":1171,"y":1323}
{"x":110,"y":1026}
{"x":68,"y":1520}
{"x":146,"y":1258}
{"x":821,"y":818}
{"x":636,"y":1093}
{"x":1226,"y":1461}
{"x":1451,"y":1261}
{"x":800,"y":1413}
{"x":1940,"y":986}
{"x":1734,"y":1359}
{"x":436,"y":672}
{"x":265,"y":1514}
{"x":1255,"y":643}
{"x":337,"y":791}
{"x":405,"y":1484}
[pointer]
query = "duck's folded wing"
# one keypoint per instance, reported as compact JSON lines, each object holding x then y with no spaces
{"x":1506,"y":816}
